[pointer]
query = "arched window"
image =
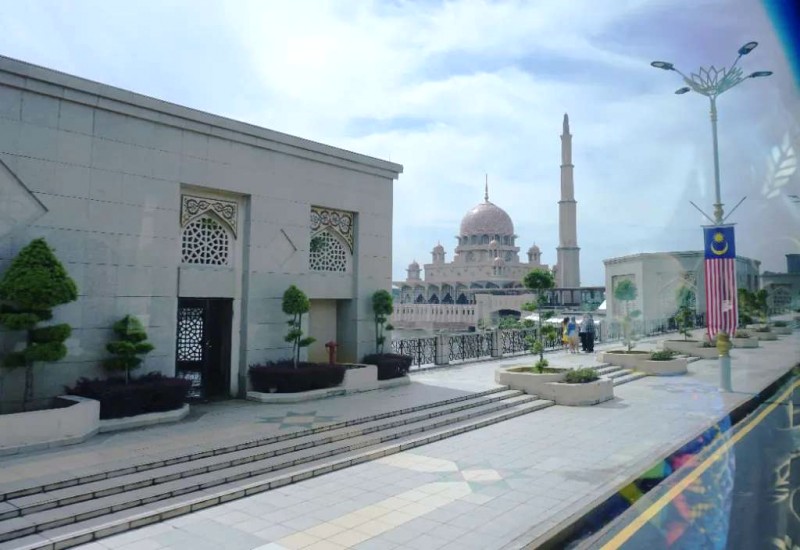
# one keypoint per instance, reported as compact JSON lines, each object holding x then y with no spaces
{"x":420,"y":299}
{"x":434,"y":299}
{"x":328,"y":254}
{"x":206,"y":242}
{"x":462,"y":299}
{"x":447,"y":299}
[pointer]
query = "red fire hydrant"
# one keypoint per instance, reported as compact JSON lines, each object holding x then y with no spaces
{"x":331,"y":352}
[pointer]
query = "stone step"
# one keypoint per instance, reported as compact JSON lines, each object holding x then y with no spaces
{"x":91,"y":520}
{"x":630,"y":377}
{"x":61,"y":506}
{"x":607,"y":371}
{"x":618,"y":373}
{"x":96,"y":473}
{"x":69,"y":495}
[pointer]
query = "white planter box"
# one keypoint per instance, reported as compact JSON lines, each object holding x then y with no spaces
{"x":34,"y":430}
{"x":744,"y":342}
{"x":624,"y":360}
{"x":362,"y":378}
{"x":579,"y":395}
{"x":142,"y":420}
{"x":781,"y":330}
{"x":529,"y":382}
{"x":670,"y":367}
{"x":769,"y":336}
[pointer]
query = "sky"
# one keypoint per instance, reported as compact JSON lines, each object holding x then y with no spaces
{"x":456,"y":90}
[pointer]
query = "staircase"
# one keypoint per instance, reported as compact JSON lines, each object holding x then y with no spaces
{"x":618,"y":375}
{"x":68,"y":511}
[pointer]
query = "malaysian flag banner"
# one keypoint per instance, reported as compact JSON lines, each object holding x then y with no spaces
{"x":720,"y":267}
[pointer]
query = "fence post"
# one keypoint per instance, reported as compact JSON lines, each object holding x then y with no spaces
{"x":497,"y":343}
{"x":442,"y":351}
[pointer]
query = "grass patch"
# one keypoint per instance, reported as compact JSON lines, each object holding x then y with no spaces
{"x":664,"y":355}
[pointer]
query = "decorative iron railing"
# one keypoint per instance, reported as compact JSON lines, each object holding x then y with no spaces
{"x":515,"y":340}
{"x":470,"y":346}
{"x":423,"y":350}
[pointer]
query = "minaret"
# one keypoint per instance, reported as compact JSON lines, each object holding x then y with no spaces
{"x":568,"y":274}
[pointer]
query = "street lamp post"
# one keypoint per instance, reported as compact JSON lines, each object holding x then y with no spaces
{"x":712,"y":82}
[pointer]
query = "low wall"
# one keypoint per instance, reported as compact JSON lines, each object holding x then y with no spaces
{"x":530,"y":383}
{"x":64,"y":425}
{"x":767,"y":336}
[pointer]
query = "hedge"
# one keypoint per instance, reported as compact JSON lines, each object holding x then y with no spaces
{"x":390,"y":365}
{"x":149,"y":393}
{"x":282,"y":377}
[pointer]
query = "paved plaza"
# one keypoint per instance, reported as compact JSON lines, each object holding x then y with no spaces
{"x":502,"y":486}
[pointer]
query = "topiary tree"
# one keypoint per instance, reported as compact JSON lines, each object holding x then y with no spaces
{"x":382,"y":307}
{"x":539,"y":280}
{"x":684,"y":317}
{"x":295,"y":303}
{"x":626,"y":292}
{"x":35,"y":283}
{"x":132,"y":343}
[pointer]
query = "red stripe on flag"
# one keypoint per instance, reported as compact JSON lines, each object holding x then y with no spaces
{"x":721,"y":302}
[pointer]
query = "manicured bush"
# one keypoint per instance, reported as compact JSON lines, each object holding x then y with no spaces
{"x":33,"y":285}
{"x":541,"y":364}
{"x":780,"y":324}
{"x":664,"y":355}
{"x":741,"y":334}
{"x":581,"y":376}
{"x":131,"y":342}
{"x":295,"y":303}
{"x":150,"y":393}
{"x":763,"y":329}
{"x":390,"y":365}
{"x":283,"y":377}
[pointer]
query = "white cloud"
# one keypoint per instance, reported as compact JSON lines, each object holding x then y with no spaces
{"x":455,"y":89}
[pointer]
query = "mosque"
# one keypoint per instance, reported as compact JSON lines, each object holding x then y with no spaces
{"x":486,"y":263}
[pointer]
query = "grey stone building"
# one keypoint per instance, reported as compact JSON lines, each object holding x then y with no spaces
{"x":193,"y":222}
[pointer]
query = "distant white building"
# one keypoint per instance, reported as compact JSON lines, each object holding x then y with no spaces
{"x":658,"y":276}
{"x":784,"y":288}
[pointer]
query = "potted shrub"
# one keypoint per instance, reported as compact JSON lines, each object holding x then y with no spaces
{"x":744,"y":339}
{"x":539,"y":280}
{"x":626,"y":292}
{"x":390,"y":365}
{"x":33,"y":285}
{"x":295,"y":303}
{"x":286,"y":376}
{"x":664,"y":363}
{"x":530,"y":379}
{"x":121,"y":398}
{"x":130,"y":344}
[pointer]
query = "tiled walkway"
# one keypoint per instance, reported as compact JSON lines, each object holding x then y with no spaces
{"x":498,"y":487}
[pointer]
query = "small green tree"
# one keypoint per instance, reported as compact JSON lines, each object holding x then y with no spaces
{"x":382,"y":307}
{"x":539,"y":280}
{"x":33,"y":285}
{"x":684,"y":317}
{"x":626,"y":292}
{"x":132,"y":342}
{"x":761,"y":304}
{"x":295,"y":303}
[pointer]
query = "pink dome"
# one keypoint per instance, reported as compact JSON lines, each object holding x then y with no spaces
{"x":487,"y":219}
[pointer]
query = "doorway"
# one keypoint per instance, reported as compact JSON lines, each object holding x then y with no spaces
{"x":203,"y":348}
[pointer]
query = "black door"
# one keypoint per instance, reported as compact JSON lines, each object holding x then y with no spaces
{"x":203,"y":350}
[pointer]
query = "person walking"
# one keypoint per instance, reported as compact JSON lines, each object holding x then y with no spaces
{"x":572,"y":334}
{"x":582,"y":332}
{"x":564,"y":333}
{"x":590,"y":334}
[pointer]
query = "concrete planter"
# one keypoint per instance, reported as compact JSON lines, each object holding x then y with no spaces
{"x":768,"y":336}
{"x":622,"y":359}
{"x":671,"y":367}
{"x":744,"y":342}
{"x":73,"y":420}
{"x":686,"y":347}
{"x":357,"y":378}
{"x":529,"y":382}
{"x":142,"y":420}
{"x":783,"y":331}
{"x":579,"y":395}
